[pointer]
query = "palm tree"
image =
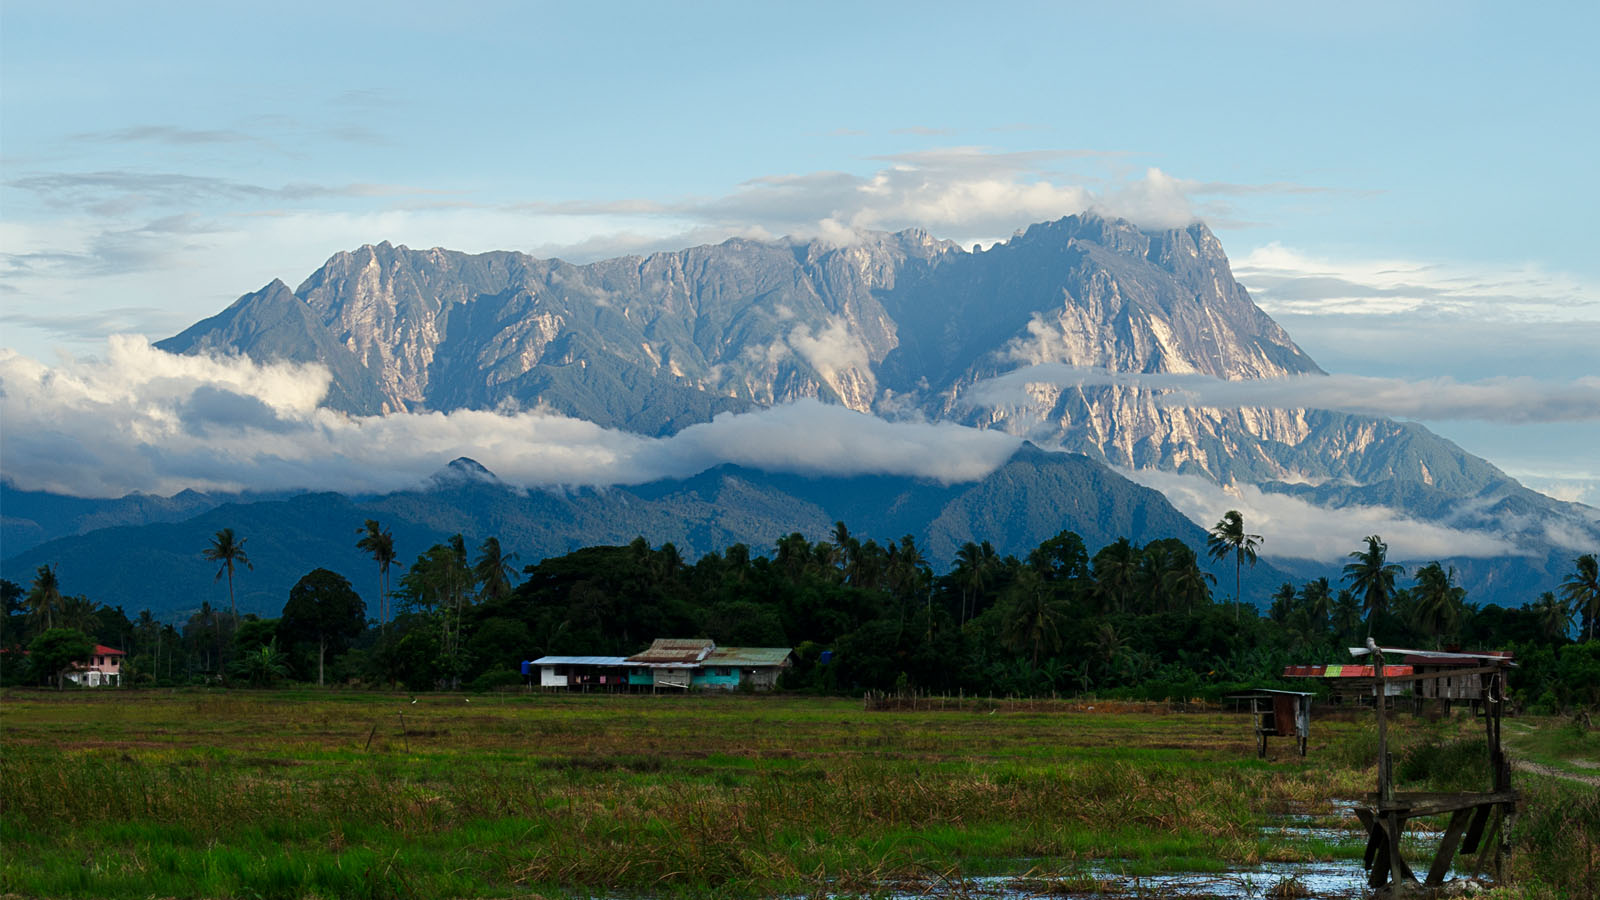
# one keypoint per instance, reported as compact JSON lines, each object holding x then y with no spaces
{"x":1438,"y":600}
{"x":1316,"y":598}
{"x":1228,"y":536}
{"x":1372,"y":576}
{"x":1108,"y":644}
{"x":80,"y":613}
{"x":380,"y":544}
{"x":1582,"y":592}
{"x":975,"y":566}
{"x":1153,"y":577}
{"x":1283,"y":604}
{"x":1036,"y":616}
{"x":44,"y":599}
{"x":494,"y":570}
{"x":1114,"y":569}
{"x":1554,"y":616}
{"x":228,"y":551}
{"x":1191,"y":584}
{"x":1346,"y":613}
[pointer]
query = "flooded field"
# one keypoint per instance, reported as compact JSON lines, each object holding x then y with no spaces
{"x":325,"y":795}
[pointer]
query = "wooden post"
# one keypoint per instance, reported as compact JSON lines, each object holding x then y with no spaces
{"x":1447,"y":847}
{"x":1385,"y":785}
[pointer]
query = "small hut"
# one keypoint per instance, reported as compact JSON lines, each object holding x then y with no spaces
{"x":1278,"y":714}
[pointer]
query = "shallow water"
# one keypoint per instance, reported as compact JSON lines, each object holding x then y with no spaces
{"x":1342,"y":879}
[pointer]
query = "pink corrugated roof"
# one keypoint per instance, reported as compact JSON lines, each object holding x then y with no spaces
{"x":1343,"y":671}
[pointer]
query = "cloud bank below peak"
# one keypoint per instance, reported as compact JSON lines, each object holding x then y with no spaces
{"x":1508,"y":400}
{"x":1296,"y":529}
{"x":146,"y":420}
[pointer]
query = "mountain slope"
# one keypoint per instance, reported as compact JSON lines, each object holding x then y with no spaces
{"x":1032,"y":497}
{"x":901,"y":325}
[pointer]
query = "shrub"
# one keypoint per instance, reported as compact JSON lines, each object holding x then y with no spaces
{"x":496,"y":679}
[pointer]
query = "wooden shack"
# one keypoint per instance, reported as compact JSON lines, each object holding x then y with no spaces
{"x":1450,"y":677}
{"x":1479,"y":820}
{"x":1278,"y":714}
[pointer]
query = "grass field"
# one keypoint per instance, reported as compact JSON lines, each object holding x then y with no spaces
{"x":247,"y":794}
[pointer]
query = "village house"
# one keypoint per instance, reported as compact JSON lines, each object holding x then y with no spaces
{"x":668,"y":663}
{"x":102,"y":669}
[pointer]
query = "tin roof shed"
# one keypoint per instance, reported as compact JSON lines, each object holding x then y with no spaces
{"x":748,"y":657}
{"x":581,"y":661}
{"x":674,"y":651}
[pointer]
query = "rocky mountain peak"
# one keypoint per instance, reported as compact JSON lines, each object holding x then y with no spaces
{"x":463,"y":470}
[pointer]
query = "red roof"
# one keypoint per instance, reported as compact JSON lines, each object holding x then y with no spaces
{"x":103,"y":650}
{"x":1337,"y":671}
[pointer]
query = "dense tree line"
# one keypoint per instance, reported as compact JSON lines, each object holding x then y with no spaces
{"x":1128,"y":620}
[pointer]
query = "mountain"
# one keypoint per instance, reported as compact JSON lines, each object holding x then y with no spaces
{"x":1031,"y":497}
{"x":29,"y":518}
{"x":901,"y":325}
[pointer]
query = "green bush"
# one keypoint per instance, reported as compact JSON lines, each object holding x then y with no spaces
{"x":1455,"y":765}
{"x":495,"y":679}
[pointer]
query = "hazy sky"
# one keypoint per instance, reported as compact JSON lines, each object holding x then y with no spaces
{"x":1408,"y":188}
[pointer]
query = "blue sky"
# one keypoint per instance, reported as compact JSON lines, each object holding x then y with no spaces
{"x":1408,"y":188}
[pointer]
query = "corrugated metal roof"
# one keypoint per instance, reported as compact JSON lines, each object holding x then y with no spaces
{"x":1260,"y":692}
{"x":675,"y":650}
{"x":581,"y":661}
{"x":748,"y":656}
{"x":1437,"y":657}
{"x":1343,"y":671}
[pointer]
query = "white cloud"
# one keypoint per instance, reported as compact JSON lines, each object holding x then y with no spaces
{"x":1518,"y":400}
{"x":142,"y":419}
{"x":86,"y":241}
{"x":1294,"y":528}
{"x":1283,"y":280}
{"x":965,"y":194}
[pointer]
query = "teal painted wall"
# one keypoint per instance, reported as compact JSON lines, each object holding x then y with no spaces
{"x":713,"y":678}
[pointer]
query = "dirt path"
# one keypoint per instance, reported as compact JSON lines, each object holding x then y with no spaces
{"x":1525,"y":766}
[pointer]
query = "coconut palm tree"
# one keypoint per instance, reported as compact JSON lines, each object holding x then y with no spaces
{"x":1283,"y":604}
{"x":1115,"y":567}
{"x":1316,"y":598}
{"x":1036,"y":616}
{"x":1554,"y":616}
{"x":1372,"y":576}
{"x":1582,"y":592}
{"x":1229,"y":537}
{"x":44,"y":599}
{"x":380,"y":544}
{"x":974,"y":569}
{"x":1346,"y":613}
{"x":1438,"y":600}
{"x":228,"y":552}
{"x":494,"y":570}
{"x":1108,"y":644}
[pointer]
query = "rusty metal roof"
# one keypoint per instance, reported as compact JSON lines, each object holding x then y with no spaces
{"x":675,"y":650}
{"x":748,"y":656}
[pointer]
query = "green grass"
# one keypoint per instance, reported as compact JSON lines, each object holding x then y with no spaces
{"x":310,"y":794}
{"x":1559,"y":743}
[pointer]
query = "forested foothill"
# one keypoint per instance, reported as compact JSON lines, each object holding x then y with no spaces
{"x":1128,"y":621}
